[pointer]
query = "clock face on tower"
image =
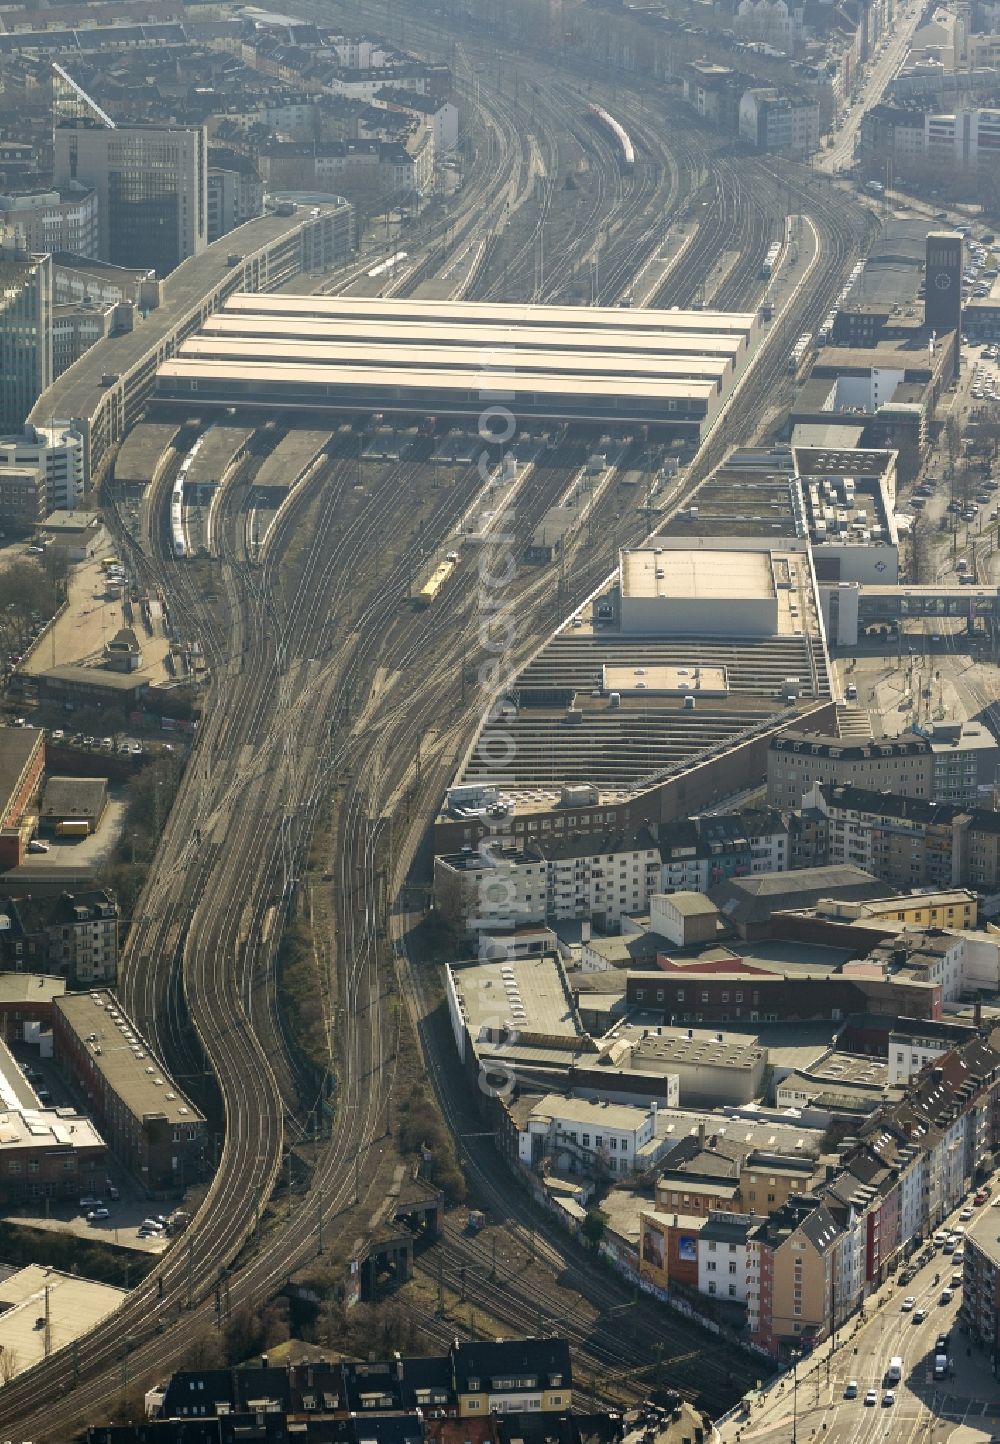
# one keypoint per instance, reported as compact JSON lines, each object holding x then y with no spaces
{"x":942,"y":280}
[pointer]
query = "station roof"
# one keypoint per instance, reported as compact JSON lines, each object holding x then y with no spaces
{"x":412,"y":360}
{"x":219,"y":444}
{"x":382,"y":352}
{"x":141,"y":450}
{"x":518,"y":381}
{"x":307,"y":327}
{"x":499,"y":314}
{"x":290,"y":457}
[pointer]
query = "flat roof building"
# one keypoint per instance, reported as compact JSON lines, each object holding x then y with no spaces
{"x":107,"y":388}
{"x":591,"y":364}
{"x":152,"y":1127}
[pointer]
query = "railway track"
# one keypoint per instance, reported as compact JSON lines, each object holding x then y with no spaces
{"x":297,"y":698}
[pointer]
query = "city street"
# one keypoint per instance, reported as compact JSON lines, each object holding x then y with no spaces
{"x":874,"y":78}
{"x":966,"y":1406}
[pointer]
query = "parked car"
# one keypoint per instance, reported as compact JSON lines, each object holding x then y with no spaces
{"x":37,"y":845}
{"x":97,"y":1215}
{"x":88,"y":1202}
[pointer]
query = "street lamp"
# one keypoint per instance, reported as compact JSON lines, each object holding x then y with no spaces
{"x":796,"y":1355}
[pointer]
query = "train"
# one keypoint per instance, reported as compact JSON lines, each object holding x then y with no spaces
{"x":798,"y":352}
{"x":388,"y":265}
{"x":437,"y":579}
{"x":826,"y":330}
{"x":626,"y":150}
{"x":177,"y":532}
{"x":770,"y":260}
{"x":177,"y":519}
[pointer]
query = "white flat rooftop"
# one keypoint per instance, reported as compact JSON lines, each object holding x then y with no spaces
{"x":719,"y":575}
{"x":482,"y":313}
{"x":666,"y":681}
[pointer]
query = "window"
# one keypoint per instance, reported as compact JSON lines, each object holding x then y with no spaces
{"x":585,"y":1140}
{"x":732,"y":1268}
{"x":710,"y":1267}
{"x":614,"y":1145}
{"x":711,"y":1288}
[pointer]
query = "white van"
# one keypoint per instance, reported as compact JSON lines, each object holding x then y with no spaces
{"x":895,"y":1370}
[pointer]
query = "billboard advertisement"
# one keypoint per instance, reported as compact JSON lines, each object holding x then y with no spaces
{"x":653,"y":1250}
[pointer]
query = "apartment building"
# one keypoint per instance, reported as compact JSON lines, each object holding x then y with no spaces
{"x":789,"y":1276}
{"x":909,"y":843}
{"x":797,"y":760}
{"x":23,"y":500}
{"x":572,"y":875}
{"x":699,"y":852}
{"x":980,"y":1307}
{"x":915,"y":1042}
{"x":964,"y":762}
{"x":74,"y":935}
{"x":768,"y":1181}
{"x":149,"y":1124}
{"x":505,"y":1376}
{"x":498,"y":887}
{"x":778,"y":123}
{"x":723,"y":1254}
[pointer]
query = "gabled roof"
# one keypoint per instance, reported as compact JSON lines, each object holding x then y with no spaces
{"x":541,"y":1358}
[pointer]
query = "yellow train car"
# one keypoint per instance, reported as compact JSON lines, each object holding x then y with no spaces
{"x":434,"y":583}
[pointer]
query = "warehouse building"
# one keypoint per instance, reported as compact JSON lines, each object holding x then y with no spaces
{"x":597,"y":365}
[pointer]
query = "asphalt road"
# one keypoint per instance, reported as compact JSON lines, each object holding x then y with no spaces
{"x":862,"y":1353}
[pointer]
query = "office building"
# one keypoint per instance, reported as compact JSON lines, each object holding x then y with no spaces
{"x":151,"y":184}
{"x":57,"y":451}
{"x":52,"y":220}
{"x":25,"y":333}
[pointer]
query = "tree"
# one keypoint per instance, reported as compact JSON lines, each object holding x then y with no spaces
{"x":593,"y":1226}
{"x":452,"y":903}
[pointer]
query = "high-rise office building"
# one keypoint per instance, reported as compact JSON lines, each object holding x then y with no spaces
{"x":25,"y":333}
{"x":151,"y":181}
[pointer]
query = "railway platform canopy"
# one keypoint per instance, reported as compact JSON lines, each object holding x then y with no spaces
{"x":605,"y":365}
